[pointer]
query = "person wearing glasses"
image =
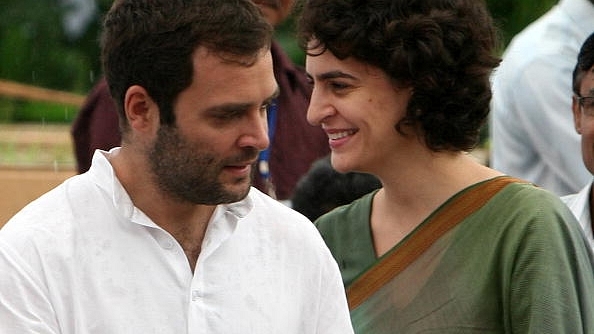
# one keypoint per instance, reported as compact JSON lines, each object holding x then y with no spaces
{"x":581,"y":203}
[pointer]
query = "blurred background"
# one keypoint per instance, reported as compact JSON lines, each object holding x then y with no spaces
{"x":49,"y":60}
{"x":54,"y":44}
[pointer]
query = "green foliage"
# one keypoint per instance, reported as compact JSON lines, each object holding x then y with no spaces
{"x":513,"y":15}
{"x":45,"y":112}
{"x":34,"y":49}
{"x":285,"y":35}
{"x":12,"y":110}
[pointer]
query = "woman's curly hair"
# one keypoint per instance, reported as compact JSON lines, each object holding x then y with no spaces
{"x":444,"y":49}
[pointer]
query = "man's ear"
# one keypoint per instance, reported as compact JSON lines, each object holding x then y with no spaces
{"x":141,"y":111}
{"x":577,"y":115}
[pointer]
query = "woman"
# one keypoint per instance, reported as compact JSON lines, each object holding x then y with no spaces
{"x":448,"y":245}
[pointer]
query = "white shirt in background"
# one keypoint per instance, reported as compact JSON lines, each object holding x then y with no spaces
{"x":532,"y":131}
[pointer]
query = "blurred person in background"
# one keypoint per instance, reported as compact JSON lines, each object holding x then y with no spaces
{"x":532,"y":134}
{"x":322,"y":189}
{"x":581,"y":203}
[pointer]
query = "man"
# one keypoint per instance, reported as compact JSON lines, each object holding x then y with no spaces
{"x":165,"y":234}
{"x":532,"y":134}
{"x":581,"y":204}
{"x":294,"y":146}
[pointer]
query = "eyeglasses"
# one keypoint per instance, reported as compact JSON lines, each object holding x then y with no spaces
{"x":587,"y":104}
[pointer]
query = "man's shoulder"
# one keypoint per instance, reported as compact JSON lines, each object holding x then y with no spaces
{"x":266,"y":205}
{"x":272,"y":218}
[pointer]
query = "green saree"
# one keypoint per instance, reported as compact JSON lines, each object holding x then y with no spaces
{"x":518,"y":264}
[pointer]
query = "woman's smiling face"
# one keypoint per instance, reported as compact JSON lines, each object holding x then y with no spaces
{"x":358,"y":106}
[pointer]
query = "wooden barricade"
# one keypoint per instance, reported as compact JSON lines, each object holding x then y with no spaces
{"x":28,"y":92}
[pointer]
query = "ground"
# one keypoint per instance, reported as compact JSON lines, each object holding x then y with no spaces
{"x":33,"y":159}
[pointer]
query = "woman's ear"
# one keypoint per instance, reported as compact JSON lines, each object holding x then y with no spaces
{"x":142,"y":113}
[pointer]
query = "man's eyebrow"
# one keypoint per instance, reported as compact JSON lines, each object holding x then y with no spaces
{"x":234,"y":107}
{"x":273,"y":96}
{"x":228,"y":107}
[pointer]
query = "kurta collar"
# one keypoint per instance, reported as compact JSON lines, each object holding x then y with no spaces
{"x":104,"y":176}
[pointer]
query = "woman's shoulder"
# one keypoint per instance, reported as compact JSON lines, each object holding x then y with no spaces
{"x":346,"y":221}
{"x":360,"y":207}
{"x":528,"y":195}
{"x":527,"y":208}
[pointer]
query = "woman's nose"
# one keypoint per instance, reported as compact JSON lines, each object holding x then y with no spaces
{"x":319,"y":108}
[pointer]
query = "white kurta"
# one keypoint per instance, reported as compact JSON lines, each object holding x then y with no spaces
{"x":83,"y":259}
{"x":579,"y":204}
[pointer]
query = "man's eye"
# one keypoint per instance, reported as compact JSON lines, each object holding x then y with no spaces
{"x":338,"y":85}
{"x":228,"y":115}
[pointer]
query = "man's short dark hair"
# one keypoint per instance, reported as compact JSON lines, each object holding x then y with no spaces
{"x":151,"y":43}
{"x":585,"y":61}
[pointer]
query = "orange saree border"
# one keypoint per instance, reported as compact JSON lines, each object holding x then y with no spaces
{"x":444,"y":220}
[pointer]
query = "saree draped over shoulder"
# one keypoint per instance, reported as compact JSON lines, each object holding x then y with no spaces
{"x":518,"y":263}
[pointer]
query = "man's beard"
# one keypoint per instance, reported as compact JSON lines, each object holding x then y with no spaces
{"x":190,"y":173}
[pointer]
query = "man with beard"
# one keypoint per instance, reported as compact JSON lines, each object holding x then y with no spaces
{"x":294,"y":143}
{"x":165,"y":234}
